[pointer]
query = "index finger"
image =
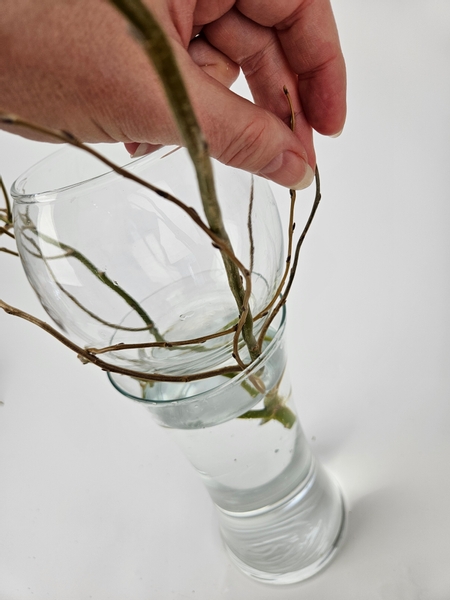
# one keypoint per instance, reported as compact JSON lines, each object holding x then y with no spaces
{"x":309,"y":37}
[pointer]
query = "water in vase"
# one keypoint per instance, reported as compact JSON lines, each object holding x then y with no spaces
{"x":280,"y":514}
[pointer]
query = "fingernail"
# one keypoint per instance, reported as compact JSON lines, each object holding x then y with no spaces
{"x":284,"y":169}
{"x":307,"y":180}
{"x":141,"y":150}
{"x":336,"y":135}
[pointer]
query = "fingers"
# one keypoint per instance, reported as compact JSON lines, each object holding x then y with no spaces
{"x":257,"y":50}
{"x":308,"y":35}
{"x":237,"y":132}
{"x":244,"y":135}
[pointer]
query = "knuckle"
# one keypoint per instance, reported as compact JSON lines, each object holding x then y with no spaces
{"x":248,"y":148}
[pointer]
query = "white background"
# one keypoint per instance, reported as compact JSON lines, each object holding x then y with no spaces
{"x":97,"y":502}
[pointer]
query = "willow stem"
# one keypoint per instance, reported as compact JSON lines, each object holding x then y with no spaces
{"x":86,"y":357}
{"x":293,"y":271}
{"x":159,"y":50}
{"x":8,"y":211}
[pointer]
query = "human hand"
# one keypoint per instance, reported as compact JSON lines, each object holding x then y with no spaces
{"x":74,"y":66}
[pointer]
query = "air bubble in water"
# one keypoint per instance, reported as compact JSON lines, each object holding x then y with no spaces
{"x":185,"y":316}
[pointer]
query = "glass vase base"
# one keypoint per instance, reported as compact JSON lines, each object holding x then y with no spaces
{"x":292,"y":540}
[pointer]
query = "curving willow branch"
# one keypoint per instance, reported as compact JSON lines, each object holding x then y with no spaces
{"x":88,"y":357}
{"x":8,"y":233}
{"x":290,"y":269}
{"x":8,"y":251}
{"x":293,"y":270}
{"x":8,"y":216}
{"x":291,"y":226}
{"x":241,"y":322}
{"x":158,"y":49}
{"x":165,"y":344}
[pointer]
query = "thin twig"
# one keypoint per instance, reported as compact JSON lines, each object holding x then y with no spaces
{"x":287,"y":267}
{"x":9,"y":251}
{"x":293,"y":271}
{"x":291,"y":108}
{"x":250,"y":224}
{"x":7,"y":232}
{"x":6,"y":218}
{"x":87,"y":357}
{"x":165,"y":344}
{"x":246,"y":302}
{"x":291,"y":226}
{"x":6,"y":197}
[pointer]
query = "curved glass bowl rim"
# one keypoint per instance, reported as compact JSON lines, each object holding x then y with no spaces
{"x":50,"y":194}
{"x":217,"y":389}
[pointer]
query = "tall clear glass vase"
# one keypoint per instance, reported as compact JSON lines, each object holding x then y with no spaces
{"x":281,"y":514}
{"x":128,"y":274}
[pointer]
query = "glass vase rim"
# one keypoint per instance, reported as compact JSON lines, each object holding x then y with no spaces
{"x":265,"y":354}
{"x":50,"y":194}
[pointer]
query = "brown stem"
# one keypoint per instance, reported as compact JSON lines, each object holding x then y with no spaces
{"x":87,"y":357}
{"x":8,"y":205}
{"x":280,"y":287}
{"x":291,"y":226}
{"x":283,"y":299}
{"x":9,"y":251}
{"x":199,"y":340}
{"x":7,"y":232}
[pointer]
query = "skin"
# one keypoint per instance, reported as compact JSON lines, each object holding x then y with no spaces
{"x":73,"y":65}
